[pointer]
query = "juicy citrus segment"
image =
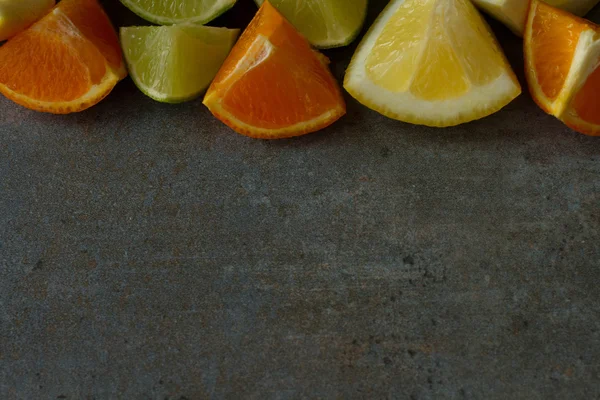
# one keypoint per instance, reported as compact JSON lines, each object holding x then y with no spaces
{"x":431,"y":62}
{"x":513,"y":13}
{"x":17,"y":15}
{"x":297,"y":103}
{"x":325,"y":23}
{"x":551,"y":53}
{"x":93,"y":23}
{"x":387,"y":65}
{"x":86,"y":65}
{"x":55,"y":66}
{"x":273,"y":85}
{"x":583,"y":114}
{"x":485,"y":61}
{"x":439,"y":74}
{"x":562,"y":54}
{"x":169,"y":12}
{"x":175,"y":63}
{"x":586,"y":102}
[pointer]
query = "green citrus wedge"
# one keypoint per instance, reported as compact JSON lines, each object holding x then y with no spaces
{"x":170,"y":12}
{"x":325,"y":23}
{"x":175,"y":63}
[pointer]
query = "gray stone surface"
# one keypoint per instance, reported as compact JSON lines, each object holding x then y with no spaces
{"x":148,"y":252}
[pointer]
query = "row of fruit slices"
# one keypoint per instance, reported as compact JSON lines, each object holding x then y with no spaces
{"x":273,"y":84}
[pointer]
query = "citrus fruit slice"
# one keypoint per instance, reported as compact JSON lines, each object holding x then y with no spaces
{"x":67,"y":61}
{"x":169,"y":12}
{"x":431,"y":62}
{"x":513,"y":13}
{"x":17,"y":15}
{"x":583,"y":112}
{"x":325,"y":23}
{"x":562,"y":58}
{"x":273,"y":84}
{"x":175,"y":63}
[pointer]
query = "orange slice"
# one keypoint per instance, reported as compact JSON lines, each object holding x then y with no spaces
{"x":583,"y":114}
{"x":562,"y":55}
{"x":66,"y":62}
{"x":273,"y":84}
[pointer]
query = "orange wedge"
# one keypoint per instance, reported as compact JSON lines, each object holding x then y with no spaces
{"x":273,"y":84}
{"x":66,"y":62}
{"x":562,"y":55}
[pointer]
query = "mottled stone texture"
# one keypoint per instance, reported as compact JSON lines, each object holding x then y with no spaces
{"x":148,"y":252}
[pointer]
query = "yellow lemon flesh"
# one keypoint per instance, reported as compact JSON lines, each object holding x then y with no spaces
{"x":431,"y":62}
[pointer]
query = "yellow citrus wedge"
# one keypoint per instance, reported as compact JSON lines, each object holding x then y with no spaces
{"x":431,"y":62}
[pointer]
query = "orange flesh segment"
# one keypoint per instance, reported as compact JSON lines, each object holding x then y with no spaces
{"x":70,"y":66}
{"x":587,"y":101}
{"x":289,"y":101}
{"x":62,"y":56}
{"x":555,"y":36}
{"x":283,"y":81}
{"x":91,"y":20}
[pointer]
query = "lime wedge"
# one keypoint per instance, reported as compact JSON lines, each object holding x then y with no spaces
{"x":17,"y":15}
{"x":176,"y":63}
{"x":325,"y":23}
{"x":170,"y":12}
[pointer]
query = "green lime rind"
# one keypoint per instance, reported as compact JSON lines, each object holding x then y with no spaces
{"x":174,"y":64}
{"x":171,"y":12}
{"x":325,"y":23}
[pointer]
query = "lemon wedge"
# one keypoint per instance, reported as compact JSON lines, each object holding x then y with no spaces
{"x":431,"y":62}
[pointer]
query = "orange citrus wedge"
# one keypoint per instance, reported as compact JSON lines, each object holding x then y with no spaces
{"x":562,"y":56}
{"x":273,"y":84}
{"x":66,"y":62}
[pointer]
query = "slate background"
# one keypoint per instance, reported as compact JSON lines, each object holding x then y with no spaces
{"x":148,"y":252}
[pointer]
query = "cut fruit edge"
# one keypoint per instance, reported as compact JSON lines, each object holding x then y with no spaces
{"x":96,"y":92}
{"x":586,"y":58}
{"x":298,"y":129}
{"x":579,"y":125}
{"x":442,"y":113}
{"x":213,"y":100}
{"x":219,"y":9}
{"x":93,"y":96}
{"x":260,"y":50}
{"x":456,"y":111}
